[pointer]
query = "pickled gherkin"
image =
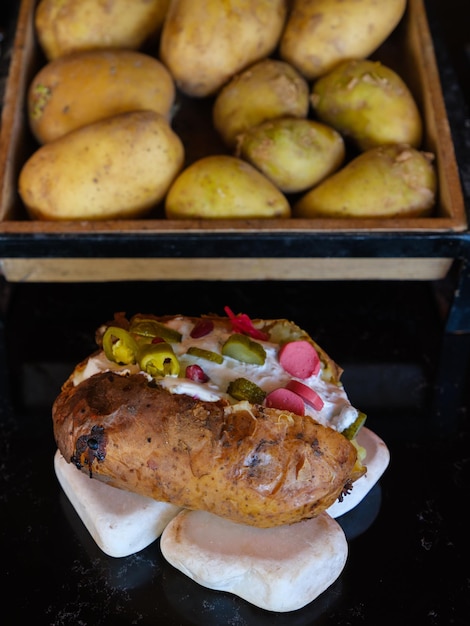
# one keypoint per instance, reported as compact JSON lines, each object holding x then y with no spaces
{"x":209,"y":355}
{"x":244,"y":389}
{"x":151,"y":328}
{"x":244,"y":349}
{"x":351,"y":431}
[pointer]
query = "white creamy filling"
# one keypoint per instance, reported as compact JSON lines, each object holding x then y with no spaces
{"x":337,"y":411}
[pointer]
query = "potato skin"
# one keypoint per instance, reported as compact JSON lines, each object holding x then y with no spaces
{"x":64,"y":26}
{"x":207,"y":42}
{"x":256,"y":466}
{"x":321,"y":33}
{"x":119,"y":167}
{"x":295,"y":154}
{"x":224,"y":187}
{"x":84,"y":87}
{"x":384,"y":182}
{"x":266,"y":90}
{"x":368,"y":103}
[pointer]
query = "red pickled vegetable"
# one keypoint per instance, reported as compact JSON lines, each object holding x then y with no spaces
{"x":196,"y":373}
{"x":309,"y":395}
{"x":241,"y":323}
{"x":202,"y":328}
{"x":285,"y":400}
{"x":299,"y":359}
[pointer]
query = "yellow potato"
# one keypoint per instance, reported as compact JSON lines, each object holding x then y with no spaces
{"x":293,"y":153}
{"x":87,"y":86}
{"x":224,"y":187}
{"x":266,"y":90}
{"x":369,"y":103}
{"x":119,"y":167}
{"x":388,"y":181}
{"x":204,"y":43}
{"x":64,"y":26}
{"x":321,"y":33}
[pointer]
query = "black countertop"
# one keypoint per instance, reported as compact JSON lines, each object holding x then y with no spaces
{"x":408,"y":541}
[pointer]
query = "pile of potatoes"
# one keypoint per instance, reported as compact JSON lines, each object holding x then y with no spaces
{"x":307,"y":124}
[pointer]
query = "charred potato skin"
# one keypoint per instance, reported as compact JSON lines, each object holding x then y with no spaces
{"x":260,"y":467}
{"x":131,"y":433}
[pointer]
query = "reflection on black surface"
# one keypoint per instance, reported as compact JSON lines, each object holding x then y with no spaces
{"x":408,"y":538}
{"x":123,"y":573}
{"x":361,"y":517}
{"x":204,"y":607}
{"x":148,"y":570}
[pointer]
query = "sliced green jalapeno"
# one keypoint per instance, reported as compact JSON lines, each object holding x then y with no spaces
{"x":119,"y":346}
{"x":158,"y":359}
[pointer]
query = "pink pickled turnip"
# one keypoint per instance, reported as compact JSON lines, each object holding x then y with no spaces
{"x":299,"y":359}
{"x":285,"y":400}
{"x":309,"y":395}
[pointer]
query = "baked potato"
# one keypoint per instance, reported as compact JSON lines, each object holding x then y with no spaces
{"x":134,"y":416}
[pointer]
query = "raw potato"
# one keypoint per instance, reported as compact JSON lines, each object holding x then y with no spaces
{"x":64,"y":26}
{"x":224,"y":187}
{"x":388,"y":181}
{"x":120,"y":167}
{"x":87,"y":86}
{"x":295,"y":154}
{"x":321,"y":33}
{"x":369,"y":103}
{"x":266,"y":90}
{"x":207,"y":42}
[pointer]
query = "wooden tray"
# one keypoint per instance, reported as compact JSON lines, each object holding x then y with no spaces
{"x":409,"y":51}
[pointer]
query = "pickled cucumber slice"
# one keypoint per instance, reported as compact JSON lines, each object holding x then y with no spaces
{"x":152,"y":328}
{"x":244,"y":349}
{"x":244,"y":389}
{"x":351,"y":431}
{"x":209,"y":355}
